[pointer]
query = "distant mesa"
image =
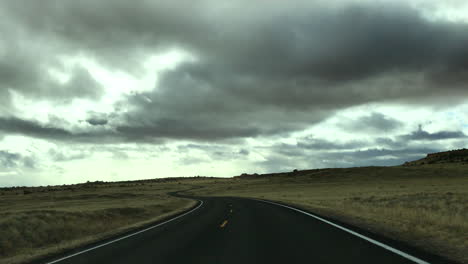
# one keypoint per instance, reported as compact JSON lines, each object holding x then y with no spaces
{"x":452,"y":156}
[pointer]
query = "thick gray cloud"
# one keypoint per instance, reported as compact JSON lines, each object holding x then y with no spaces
{"x":50,"y":131}
{"x":97,"y":121}
{"x":26,"y":72}
{"x":26,"y":58}
{"x":31,"y":128}
{"x":420,"y":134}
{"x":333,"y":44}
{"x":282,"y":75}
{"x":267,"y":70}
{"x":98,"y":118}
{"x":244,"y":152}
{"x":13,"y":125}
{"x":9,"y":160}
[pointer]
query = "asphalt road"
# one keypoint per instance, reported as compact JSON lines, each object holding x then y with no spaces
{"x":236,"y":230}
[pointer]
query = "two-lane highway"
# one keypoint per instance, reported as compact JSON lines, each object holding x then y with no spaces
{"x":237,"y":230}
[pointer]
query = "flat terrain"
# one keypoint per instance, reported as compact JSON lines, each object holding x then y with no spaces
{"x":426,"y":206}
{"x":43,"y":220}
{"x":236,"y":230}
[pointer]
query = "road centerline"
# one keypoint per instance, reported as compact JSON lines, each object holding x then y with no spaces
{"x":223,"y":224}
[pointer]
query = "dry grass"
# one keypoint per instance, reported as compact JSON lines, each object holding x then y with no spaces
{"x":426,"y":206}
{"x":39,"y":221}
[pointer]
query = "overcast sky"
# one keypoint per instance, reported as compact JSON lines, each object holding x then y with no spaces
{"x":122,"y":90}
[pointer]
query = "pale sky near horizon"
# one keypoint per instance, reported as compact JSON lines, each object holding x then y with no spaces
{"x":122,"y":90}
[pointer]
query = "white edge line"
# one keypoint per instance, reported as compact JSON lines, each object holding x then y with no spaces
{"x":373,"y":241}
{"x":127,"y":236}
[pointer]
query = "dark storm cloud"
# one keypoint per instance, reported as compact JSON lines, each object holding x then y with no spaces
{"x":30,"y":128}
{"x":27,"y":74}
{"x":97,"y":121}
{"x":26,"y":58}
{"x":10,"y":160}
{"x":50,"y":131}
{"x":375,"y":122}
{"x":244,"y":152}
{"x":190,"y":104}
{"x":420,"y":134}
{"x":268,"y":69}
{"x":13,"y":125}
{"x":283,"y":75}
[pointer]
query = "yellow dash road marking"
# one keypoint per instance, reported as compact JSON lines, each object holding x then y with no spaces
{"x":224,"y":224}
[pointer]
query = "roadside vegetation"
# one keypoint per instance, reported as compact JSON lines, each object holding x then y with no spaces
{"x":425,"y":206}
{"x":43,"y":220}
{"x":424,"y":203}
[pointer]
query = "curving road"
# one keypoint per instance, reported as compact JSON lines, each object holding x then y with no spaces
{"x":236,"y":230}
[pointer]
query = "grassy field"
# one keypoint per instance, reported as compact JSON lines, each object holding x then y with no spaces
{"x":43,"y":220}
{"x":426,"y":206}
